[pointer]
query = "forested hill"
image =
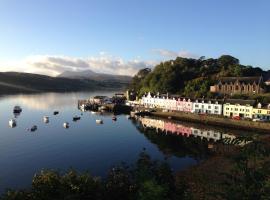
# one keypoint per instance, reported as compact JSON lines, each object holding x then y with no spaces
{"x":191,"y":77}
{"x":14,"y":82}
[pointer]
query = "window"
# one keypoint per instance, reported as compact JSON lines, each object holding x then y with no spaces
{"x":216,"y":107}
{"x":236,"y":109}
{"x":236,"y":87}
{"x":196,"y":105}
{"x":209,"y":107}
{"x":259,"y":111}
{"x":227,"y":108}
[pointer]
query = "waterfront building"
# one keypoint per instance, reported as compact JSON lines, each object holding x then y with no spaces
{"x":147,"y":100}
{"x":261,"y":111}
{"x":207,"y":106}
{"x":238,"y":108}
{"x":100,"y":99}
{"x":238,"y":85}
{"x":183,"y":104}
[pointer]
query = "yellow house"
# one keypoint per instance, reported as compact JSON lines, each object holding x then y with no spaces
{"x":238,"y":108}
{"x":261,"y":111}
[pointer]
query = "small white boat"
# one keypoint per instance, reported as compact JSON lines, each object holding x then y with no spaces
{"x":46,"y":119}
{"x":99,"y":121}
{"x":66,"y":125}
{"x":12,"y":123}
{"x":33,"y":128}
{"x":83,"y":107}
{"x":114,"y":118}
{"x":17,"y":109}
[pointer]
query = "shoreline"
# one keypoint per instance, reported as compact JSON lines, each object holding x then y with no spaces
{"x":215,"y":121}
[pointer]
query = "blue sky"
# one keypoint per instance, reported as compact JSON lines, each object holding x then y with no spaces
{"x":130,"y":32}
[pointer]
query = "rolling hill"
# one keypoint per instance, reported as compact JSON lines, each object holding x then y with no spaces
{"x":15,"y":82}
{"x":89,"y":74}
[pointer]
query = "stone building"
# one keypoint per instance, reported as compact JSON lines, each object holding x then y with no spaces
{"x":238,"y":85}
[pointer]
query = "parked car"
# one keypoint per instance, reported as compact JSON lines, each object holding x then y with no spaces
{"x":236,"y":117}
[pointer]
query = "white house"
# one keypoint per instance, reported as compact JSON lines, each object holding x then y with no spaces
{"x":207,"y":106}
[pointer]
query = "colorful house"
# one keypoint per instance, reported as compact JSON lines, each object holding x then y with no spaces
{"x":207,"y":106}
{"x":183,"y":104}
{"x":261,"y":111}
{"x":238,"y":108}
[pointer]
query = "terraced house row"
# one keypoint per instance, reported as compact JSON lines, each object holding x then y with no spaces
{"x":249,"y":109}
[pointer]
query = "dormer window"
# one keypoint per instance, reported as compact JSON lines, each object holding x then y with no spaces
{"x":268,"y":106}
{"x":259,"y":105}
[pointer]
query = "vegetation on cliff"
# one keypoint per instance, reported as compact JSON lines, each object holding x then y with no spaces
{"x":190,"y":76}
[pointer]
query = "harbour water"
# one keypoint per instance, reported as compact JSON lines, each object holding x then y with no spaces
{"x":87,"y":146}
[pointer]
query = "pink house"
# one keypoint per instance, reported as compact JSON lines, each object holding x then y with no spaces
{"x":184,"y":105}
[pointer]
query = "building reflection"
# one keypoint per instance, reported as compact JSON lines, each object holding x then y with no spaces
{"x":176,"y":128}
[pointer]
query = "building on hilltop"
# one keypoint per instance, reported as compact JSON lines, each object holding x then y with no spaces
{"x":238,"y":85}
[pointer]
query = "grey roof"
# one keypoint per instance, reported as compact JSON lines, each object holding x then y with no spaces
{"x":240,"y":101}
{"x":246,"y":80}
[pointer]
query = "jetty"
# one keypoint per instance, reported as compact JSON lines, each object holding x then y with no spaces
{"x":116,"y":104}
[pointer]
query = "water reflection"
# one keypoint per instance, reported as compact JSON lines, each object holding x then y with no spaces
{"x":45,"y":101}
{"x":179,"y":139}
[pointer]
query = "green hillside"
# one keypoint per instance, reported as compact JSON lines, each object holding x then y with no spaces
{"x":191,"y":77}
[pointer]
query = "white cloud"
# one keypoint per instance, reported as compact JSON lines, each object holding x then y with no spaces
{"x":173,"y":54}
{"x":54,"y":65}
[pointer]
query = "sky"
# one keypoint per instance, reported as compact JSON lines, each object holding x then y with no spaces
{"x":123,"y":36}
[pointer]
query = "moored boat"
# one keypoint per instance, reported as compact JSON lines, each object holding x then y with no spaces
{"x":33,"y":128}
{"x":12,"y":123}
{"x":99,"y":121}
{"x":56,"y":112}
{"x":66,"y":125}
{"x":46,"y":119}
{"x":114,"y":118}
{"x":76,"y":118}
{"x":17,"y":109}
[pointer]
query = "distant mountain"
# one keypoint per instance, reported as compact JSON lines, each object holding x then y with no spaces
{"x":14,"y":82}
{"x":89,"y":74}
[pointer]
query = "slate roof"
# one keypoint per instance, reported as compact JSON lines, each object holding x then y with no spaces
{"x":246,"y":80}
{"x":240,"y":101}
